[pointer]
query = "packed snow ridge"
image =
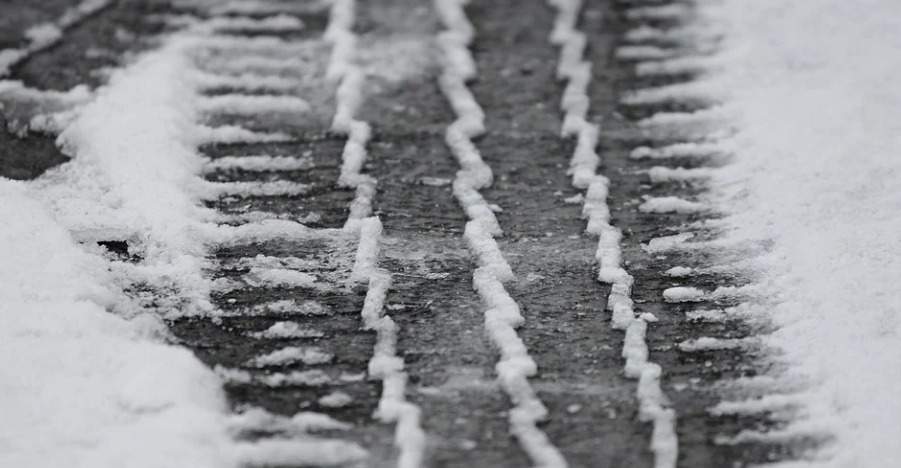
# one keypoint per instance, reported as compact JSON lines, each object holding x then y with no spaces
{"x":583,"y":168}
{"x":503,"y":315}
{"x":385,"y":364}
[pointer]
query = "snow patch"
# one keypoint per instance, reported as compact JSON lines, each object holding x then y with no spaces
{"x":257,"y":420}
{"x":683,"y":150}
{"x":252,"y":104}
{"x":644,"y":52}
{"x":285,"y":331}
{"x":660,"y":174}
{"x":670,"y":204}
{"x":679,"y":272}
{"x":335,"y":400}
{"x":291,"y":355}
{"x":684,"y":294}
{"x":714,"y":344}
{"x":666,"y":243}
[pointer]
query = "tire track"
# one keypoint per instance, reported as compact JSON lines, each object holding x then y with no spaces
{"x":570,"y":337}
{"x":503,"y":315}
{"x":662,"y":152}
{"x":288,"y":339}
{"x":653,"y":404}
{"x":431,"y":298}
{"x":385,"y":364}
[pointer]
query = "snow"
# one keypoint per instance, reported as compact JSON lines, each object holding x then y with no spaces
{"x":256,"y":7}
{"x":366,"y":259}
{"x":682,"y":150}
{"x":686,"y":65}
{"x":245,"y":81}
{"x":254,"y":216}
{"x":576,"y":199}
{"x":707,"y":315}
{"x":236,"y":44}
{"x":385,"y":365}
{"x":242,"y":65}
{"x":287,"y":330}
{"x":301,"y":452}
{"x":815,"y":171}
{"x":231,"y":134}
{"x":583,"y":168}
{"x":660,"y":174}
{"x":259,"y":163}
{"x":673,"y":11}
{"x":335,"y":400}
{"x":311,"y":378}
{"x":266,"y":230}
{"x":693,"y":92}
{"x":487,"y":252}
{"x":503,"y":315}
{"x":434,"y":181}
{"x":134,"y":165}
{"x":253,"y":104}
{"x":679,"y":271}
{"x":111,"y":393}
{"x":309,"y":355}
{"x":42,"y":36}
{"x":259,"y":420}
{"x":280,"y":277}
{"x":277,"y":23}
{"x":678,"y":35}
{"x":265,"y":261}
{"x":706,"y":343}
{"x":697,"y":126}
{"x":214,"y":190}
{"x":343,"y":67}
{"x":643,"y":52}
{"x":283,"y":307}
{"x":684,"y":294}
{"x":766,"y":403}
{"x":670,"y":204}
{"x":667,"y":243}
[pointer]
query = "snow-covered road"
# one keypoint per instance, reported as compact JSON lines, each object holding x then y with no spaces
{"x":452,"y":233}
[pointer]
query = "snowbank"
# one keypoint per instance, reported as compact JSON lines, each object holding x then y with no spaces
{"x":97,"y":389}
{"x":81,"y":386}
{"x":818,"y":171}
